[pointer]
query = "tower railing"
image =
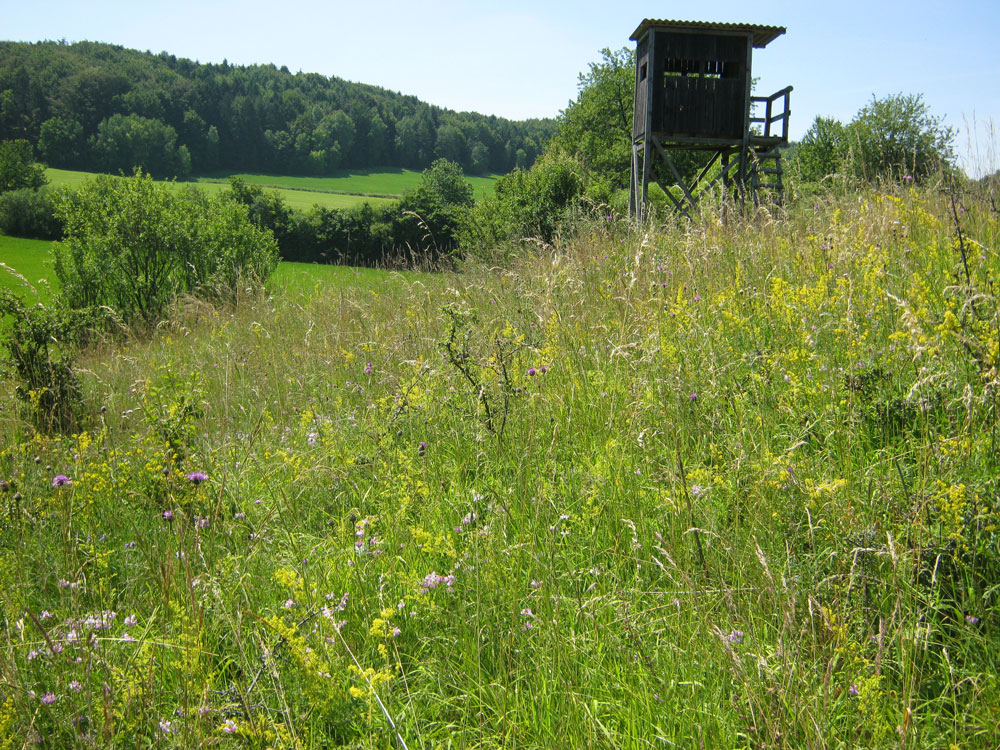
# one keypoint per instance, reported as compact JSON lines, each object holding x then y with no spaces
{"x":782,"y":100}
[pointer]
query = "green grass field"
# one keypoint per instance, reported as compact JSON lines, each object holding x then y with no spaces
{"x":298,"y":199}
{"x":343,"y":190}
{"x":386,"y":183}
{"x":715,"y":484}
{"x":30,"y":259}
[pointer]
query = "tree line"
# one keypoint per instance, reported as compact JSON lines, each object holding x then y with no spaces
{"x":103,"y":107}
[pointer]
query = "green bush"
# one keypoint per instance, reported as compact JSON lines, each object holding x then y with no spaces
{"x":133,"y":245}
{"x":526,"y":203}
{"x":821,"y":151}
{"x":896,"y":138}
{"x":39,"y":347}
{"x":29,"y":213}
{"x":431,"y":216}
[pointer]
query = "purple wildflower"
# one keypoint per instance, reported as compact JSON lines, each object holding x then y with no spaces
{"x":433,"y":580}
{"x":693,"y":397}
{"x":61,"y":479}
{"x":971,"y":619}
{"x":735,"y":636}
{"x":368,"y":368}
{"x":853,"y":690}
{"x":168,"y":515}
{"x":532,"y":371}
{"x":196,"y":477}
{"x":49,"y":698}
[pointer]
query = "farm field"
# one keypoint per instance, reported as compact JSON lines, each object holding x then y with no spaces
{"x":297,"y":199}
{"x":386,"y":183}
{"x":302,"y":193}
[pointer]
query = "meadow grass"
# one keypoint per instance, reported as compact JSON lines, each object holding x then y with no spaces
{"x":299,"y":199}
{"x":343,"y":190}
{"x":705,"y":485}
{"x":30,"y":259}
{"x":386,"y":183}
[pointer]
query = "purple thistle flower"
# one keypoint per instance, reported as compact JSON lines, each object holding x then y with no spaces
{"x":61,"y":479}
{"x":693,"y":397}
{"x":196,"y":477}
{"x":532,"y":371}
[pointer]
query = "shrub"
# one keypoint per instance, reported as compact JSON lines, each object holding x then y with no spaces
{"x":29,"y":213}
{"x":431,"y":216}
{"x":896,"y":138}
{"x":266,"y":209}
{"x":39,"y":348}
{"x":132,"y":245}
{"x":821,"y":151}
{"x":526,"y":203}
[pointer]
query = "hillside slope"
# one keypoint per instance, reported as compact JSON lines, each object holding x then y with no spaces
{"x":98,"y":106}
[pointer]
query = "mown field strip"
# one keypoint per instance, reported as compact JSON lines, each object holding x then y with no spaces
{"x":297,"y":198}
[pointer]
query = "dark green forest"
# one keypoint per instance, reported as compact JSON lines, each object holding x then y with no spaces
{"x":102,"y":107}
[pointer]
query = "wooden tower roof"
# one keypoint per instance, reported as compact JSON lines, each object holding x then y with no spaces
{"x":762,"y":35}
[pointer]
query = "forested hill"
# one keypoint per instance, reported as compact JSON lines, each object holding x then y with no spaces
{"x":102,"y":107}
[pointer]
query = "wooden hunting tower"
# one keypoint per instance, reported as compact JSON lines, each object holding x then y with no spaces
{"x":692,"y":93}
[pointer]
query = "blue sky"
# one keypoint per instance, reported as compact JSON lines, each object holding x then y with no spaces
{"x":521,"y":59}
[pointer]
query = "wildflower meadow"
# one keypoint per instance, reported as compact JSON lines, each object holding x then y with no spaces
{"x":702,"y":485}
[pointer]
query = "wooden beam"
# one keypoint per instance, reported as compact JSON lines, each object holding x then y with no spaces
{"x":677,"y":175}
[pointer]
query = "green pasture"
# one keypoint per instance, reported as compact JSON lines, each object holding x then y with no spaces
{"x":299,"y":199}
{"x":342,"y":190}
{"x":386,"y":183}
{"x":30,"y":259}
